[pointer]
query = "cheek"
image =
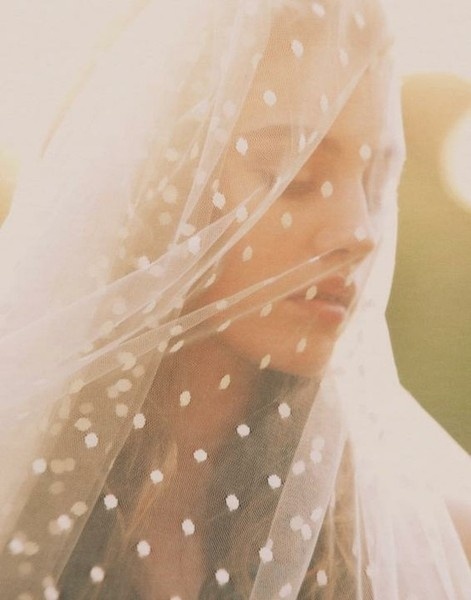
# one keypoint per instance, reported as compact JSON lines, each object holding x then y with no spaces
{"x":273,"y":336}
{"x":281,"y":341}
{"x":268,"y":249}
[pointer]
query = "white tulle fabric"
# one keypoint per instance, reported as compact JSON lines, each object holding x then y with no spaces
{"x":175,"y":421}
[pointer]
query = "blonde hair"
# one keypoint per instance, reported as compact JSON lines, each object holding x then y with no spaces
{"x":246,"y":532}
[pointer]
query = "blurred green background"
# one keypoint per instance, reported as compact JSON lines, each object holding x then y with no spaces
{"x":429,"y":312}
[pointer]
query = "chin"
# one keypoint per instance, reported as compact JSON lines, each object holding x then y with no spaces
{"x":278,"y":349}
{"x":308,"y":367}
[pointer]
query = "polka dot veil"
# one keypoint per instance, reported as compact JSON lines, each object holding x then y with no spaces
{"x":199,"y":399}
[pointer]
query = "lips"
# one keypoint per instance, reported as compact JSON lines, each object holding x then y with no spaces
{"x":333,"y":290}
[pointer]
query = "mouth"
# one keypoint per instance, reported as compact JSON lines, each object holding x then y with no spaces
{"x":330,"y":300}
{"x":335,"y":290}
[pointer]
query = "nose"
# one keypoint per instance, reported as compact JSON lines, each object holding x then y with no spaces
{"x":347,"y":224}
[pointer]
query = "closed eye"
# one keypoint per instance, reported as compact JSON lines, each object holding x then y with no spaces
{"x":299,"y":188}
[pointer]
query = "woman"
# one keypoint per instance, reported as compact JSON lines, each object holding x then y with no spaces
{"x":182,"y":417}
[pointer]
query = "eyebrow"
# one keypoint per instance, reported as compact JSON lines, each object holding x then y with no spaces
{"x":331,"y":144}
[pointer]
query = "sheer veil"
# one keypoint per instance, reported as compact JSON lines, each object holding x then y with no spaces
{"x":199,"y":398}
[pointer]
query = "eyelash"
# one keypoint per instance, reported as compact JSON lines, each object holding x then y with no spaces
{"x":373,"y":191}
{"x":296,"y":188}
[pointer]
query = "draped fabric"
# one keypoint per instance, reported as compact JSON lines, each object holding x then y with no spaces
{"x":198,"y":395}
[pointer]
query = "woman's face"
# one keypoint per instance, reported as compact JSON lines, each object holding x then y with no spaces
{"x":325,"y":209}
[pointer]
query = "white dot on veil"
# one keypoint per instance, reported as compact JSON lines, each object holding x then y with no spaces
{"x":176,"y":330}
{"x":200,"y":455}
{"x":327,"y":189}
{"x":64,"y":522}
{"x":232,"y":502}
{"x":188,"y":527}
{"x":110,"y":501}
{"x":39,"y":466}
{"x":222,"y":304}
{"x":266,"y":310}
{"x":177,"y":346}
{"x":224,"y":326}
{"x":284,"y":410}
{"x":157,"y":476}
{"x":241,"y":214}
{"x":247,"y":253}
{"x":139,"y":421}
{"x":121,"y":410}
{"x":91,"y":440}
{"x":360,"y":234}
{"x":243,"y":430}
{"x":287,"y":220}
{"x":127,"y":360}
{"x":16,"y":546}
{"x":112,"y":392}
{"x":185,"y":398}
{"x":324,"y":103}
{"x":296,"y":523}
{"x":97,"y":574}
{"x":299,"y":467}
{"x":51,"y":593}
{"x":165,"y":218}
{"x":321,"y":578}
{"x":225,"y":382}
{"x":318,"y":9}
{"x":316,"y":456}
{"x":76,"y":386}
{"x":79,"y":509}
{"x":210,"y":281}
{"x":359,"y":20}
{"x":219,"y":200}
{"x":343,"y":57}
{"x":274,"y":481}
{"x":365,"y":152}
{"x":302,"y":143}
{"x":306,"y":532}
{"x":297,"y":48}
{"x":170,"y":194}
{"x":83,"y":424}
{"x":265,"y":361}
{"x":286,"y":591}
{"x":222,"y":576}
{"x":123,"y":385}
{"x":242,"y":146}
{"x":266,"y":554}
{"x":301,"y":345}
{"x":311,"y":292}
{"x":194,"y":244}
{"x":138,"y":371}
{"x":269,"y":97}
{"x":143,"y":549}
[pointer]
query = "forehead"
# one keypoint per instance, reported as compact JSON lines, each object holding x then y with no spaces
{"x":367,"y":113}
{"x":366,"y":117}
{"x":310,"y":65}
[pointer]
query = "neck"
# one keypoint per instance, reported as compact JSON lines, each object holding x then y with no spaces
{"x":210,"y":387}
{"x":202,"y":419}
